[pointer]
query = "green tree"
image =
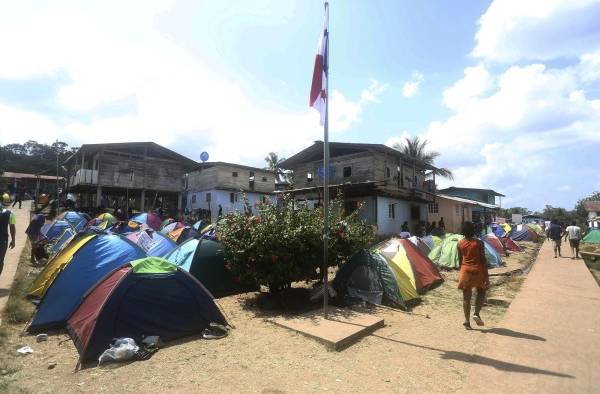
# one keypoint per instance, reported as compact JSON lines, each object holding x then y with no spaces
{"x":580,"y":209}
{"x":274,"y":164}
{"x":417,"y":149}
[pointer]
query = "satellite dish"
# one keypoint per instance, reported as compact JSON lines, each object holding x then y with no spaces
{"x":204,"y":156}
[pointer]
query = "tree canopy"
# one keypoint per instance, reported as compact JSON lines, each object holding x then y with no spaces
{"x":33,"y":157}
{"x":417,"y":149}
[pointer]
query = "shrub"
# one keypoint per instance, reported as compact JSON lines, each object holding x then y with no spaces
{"x":283,"y":243}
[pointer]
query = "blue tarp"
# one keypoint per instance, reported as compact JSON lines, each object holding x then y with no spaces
{"x":523,"y":235}
{"x":184,"y":254}
{"x":91,"y":263}
{"x":54,"y":229}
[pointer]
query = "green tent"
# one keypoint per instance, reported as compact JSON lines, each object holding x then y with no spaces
{"x":367,"y":276}
{"x":592,"y":236}
{"x":446,"y":253}
{"x":205,"y":260}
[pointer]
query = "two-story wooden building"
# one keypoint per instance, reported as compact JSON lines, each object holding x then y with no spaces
{"x":487,"y":207}
{"x":135,"y":175}
{"x":391,"y":187}
{"x":217,"y":187}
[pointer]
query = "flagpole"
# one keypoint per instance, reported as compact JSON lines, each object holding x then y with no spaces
{"x":326,"y":177}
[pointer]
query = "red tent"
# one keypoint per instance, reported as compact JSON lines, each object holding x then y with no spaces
{"x":425,"y":272}
{"x":493,"y":240}
{"x":511,"y":245}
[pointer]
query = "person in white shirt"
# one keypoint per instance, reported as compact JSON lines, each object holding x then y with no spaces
{"x":573,"y":233}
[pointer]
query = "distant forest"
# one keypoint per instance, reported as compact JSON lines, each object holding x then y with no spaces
{"x":34,"y":158}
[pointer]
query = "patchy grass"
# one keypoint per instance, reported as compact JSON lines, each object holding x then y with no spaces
{"x":16,"y":312}
{"x":18,"y":309}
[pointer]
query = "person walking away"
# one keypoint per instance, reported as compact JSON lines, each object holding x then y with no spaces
{"x":18,"y":198}
{"x":7,"y":221}
{"x":555,"y":235}
{"x":473,"y":273}
{"x":34,"y":232}
{"x":573,"y":233}
{"x":441,"y":224}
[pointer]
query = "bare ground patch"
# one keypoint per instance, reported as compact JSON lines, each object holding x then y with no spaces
{"x":426,"y":350}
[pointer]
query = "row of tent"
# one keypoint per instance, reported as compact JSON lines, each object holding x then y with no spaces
{"x":133,"y":282}
{"x":592,"y":236}
{"x":394,"y":272}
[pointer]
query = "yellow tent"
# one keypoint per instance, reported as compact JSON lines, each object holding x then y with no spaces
{"x":436,"y":240}
{"x":45,"y":278}
{"x":398,"y":261}
{"x":506,"y":227}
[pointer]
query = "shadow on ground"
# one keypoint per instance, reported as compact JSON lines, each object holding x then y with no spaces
{"x":476,"y":359}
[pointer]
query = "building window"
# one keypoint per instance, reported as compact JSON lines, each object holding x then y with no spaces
{"x":347,"y":172}
{"x":264,"y":178}
{"x":415,"y":212}
{"x":232,"y":197}
{"x":251,"y":180}
{"x":193,"y":198}
{"x":391,"y":211}
{"x":208,"y":197}
{"x":433,"y":208}
{"x":309,"y":177}
{"x":457,"y":210}
{"x":388,"y":172}
{"x":234,"y":174}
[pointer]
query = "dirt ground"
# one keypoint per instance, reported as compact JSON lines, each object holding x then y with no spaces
{"x":426,"y":350}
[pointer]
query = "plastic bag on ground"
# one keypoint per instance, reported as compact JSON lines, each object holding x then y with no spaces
{"x":121,"y":349}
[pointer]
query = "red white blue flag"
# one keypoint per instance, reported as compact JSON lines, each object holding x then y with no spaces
{"x":318,"y":91}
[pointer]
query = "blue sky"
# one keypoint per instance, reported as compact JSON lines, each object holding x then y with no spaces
{"x":507,"y":91}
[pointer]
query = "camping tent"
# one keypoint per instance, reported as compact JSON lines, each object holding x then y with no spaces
{"x":199,"y":225}
{"x":146,"y":297}
{"x":152,"y":242}
{"x":182,"y":234}
{"x":75,"y":219}
{"x":511,"y":245}
{"x":152,"y":220}
{"x":446,"y":253}
{"x":498,"y":230}
{"x":506,"y":227}
{"x":492,"y":257}
{"x":368,"y":277}
{"x":127,"y":227}
{"x":525,"y":234}
{"x":592,"y":236}
{"x":91,"y":260}
{"x":63,"y":240}
{"x":536,"y":228}
{"x":171,"y":226}
{"x":166,"y":222}
{"x":493,"y":240}
{"x":205,"y":260}
{"x":53,"y":230}
{"x":407,"y":261}
{"x":45,"y":278}
{"x":418,"y":242}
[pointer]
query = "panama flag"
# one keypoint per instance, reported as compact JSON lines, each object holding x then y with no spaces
{"x":318,"y":90}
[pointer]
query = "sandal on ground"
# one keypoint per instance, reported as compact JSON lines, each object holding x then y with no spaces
{"x":478,"y":320}
{"x":467,"y":325}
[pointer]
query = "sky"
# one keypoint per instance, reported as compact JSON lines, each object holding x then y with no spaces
{"x":507,"y":91}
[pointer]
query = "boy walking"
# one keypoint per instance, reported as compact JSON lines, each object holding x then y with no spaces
{"x":555,"y":234}
{"x":573,"y":233}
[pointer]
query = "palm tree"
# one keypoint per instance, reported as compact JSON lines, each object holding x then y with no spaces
{"x":416,"y":149}
{"x":273,"y":164}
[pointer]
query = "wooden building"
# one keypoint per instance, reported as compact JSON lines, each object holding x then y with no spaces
{"x":215,"y":188}
{"x":486,"y":211}
{"x":138,"y":176}
{"x":31,"y":184}
{"x":454,"y":210}
{"x":391,"y":187}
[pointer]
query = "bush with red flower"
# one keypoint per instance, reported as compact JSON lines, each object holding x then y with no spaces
{"x":279,"y":244}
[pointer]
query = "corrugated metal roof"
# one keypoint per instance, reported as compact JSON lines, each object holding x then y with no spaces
{"x":467,"y":201}
{"x":22,"y":175}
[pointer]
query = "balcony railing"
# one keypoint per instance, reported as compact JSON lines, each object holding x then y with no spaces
{"x":84,"y":177}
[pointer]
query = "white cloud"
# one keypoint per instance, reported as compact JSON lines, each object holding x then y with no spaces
{"x":511,"y":30}
{"x":398,"y":140}
{"x":109,"y":56}
{"x":411,"y":87}
{"x":476,"y":82}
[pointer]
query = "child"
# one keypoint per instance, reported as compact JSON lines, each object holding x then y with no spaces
{"x":473,"y":273}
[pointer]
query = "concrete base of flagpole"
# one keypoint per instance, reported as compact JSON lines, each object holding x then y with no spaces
{"x":339,"y":330}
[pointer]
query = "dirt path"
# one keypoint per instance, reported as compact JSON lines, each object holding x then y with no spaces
{"x":424,"y":351}
{"x":12,"y":255}
{"x":551,"y":340}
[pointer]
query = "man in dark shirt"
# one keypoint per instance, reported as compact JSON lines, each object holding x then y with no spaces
{"x":555,"y":234}
{"x":7,"y":222}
